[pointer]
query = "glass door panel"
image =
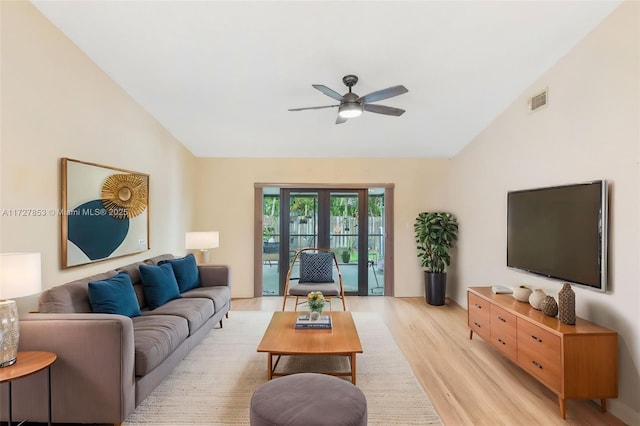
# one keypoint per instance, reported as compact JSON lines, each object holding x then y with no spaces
{"x":303,"y":226}
{"x":375,"y":252}
{"x":343,"y":235}
{"x":271,"y":241}
{"x":335,"y":219}
{"x":303,"y":220}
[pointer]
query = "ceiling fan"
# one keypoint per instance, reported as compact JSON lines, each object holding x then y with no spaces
{"x":352,"y":105}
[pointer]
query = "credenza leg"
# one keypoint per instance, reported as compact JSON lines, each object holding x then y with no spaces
{"x":603,"y":405}
{"x":563,"y":407}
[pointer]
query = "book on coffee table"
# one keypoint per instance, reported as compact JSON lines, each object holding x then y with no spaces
{"x":305,"y":322}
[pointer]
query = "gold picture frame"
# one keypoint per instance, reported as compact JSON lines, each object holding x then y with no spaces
{"x":105,"y":212}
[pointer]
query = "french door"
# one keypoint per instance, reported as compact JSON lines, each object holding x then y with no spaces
{"x":349,"y":222}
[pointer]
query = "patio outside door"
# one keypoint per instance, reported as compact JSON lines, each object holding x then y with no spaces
{"x":337,"y":219}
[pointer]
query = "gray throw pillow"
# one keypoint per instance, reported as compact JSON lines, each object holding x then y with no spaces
{"x":316,"y":267}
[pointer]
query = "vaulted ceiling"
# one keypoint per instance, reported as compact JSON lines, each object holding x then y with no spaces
{"x":221,"y":75}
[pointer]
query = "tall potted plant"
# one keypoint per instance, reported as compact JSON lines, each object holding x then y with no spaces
{"x":436,"y":233}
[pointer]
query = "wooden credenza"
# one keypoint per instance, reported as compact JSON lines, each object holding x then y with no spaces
{"x":574,"y":361}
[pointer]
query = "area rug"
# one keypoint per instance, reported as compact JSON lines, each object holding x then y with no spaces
{"x":214,"y":383}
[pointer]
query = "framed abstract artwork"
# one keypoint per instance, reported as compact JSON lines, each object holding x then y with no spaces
{"x":105,"y":212}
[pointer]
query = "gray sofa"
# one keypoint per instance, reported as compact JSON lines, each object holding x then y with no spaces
{"x":108,"y":364}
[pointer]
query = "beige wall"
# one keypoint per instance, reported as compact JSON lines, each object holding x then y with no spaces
{"x":56,"y":103}
{"x":589,"y":130}
{"x":225,"y":203}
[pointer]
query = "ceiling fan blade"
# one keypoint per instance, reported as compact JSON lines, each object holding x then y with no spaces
{"x":383,"y":94}
{"x":341,"y":119}
{"x":386,"y":110}
{"x":329,"y":92}
{"x":318,"y":107}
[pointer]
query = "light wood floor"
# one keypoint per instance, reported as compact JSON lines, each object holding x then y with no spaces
{"x":468,"y":382}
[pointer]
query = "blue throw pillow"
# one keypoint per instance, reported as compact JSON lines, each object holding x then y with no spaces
{"x":186,"y":272}
{"x":316,"y":267}
{"x":158,"y":284}
{"x":114,"y":295}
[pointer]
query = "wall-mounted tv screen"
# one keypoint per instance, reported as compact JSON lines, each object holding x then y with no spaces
{"x":560,"y":232}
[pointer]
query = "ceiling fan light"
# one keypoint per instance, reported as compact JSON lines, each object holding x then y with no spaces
{"x":350,"y":110}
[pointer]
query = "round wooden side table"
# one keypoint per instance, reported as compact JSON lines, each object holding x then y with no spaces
{"x":27,"y":364}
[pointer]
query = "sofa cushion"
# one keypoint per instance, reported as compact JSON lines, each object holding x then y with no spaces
{"x":157,"y":259}
{"x":195,"y":311}
{"x":70,"y":298}
{"x":133,"y":270}
{"x":114,"y":295}
{"x":159,"y":284}
{"x":186,"y":272}
{"x":156,"y":337}
{"x":219,"y":294}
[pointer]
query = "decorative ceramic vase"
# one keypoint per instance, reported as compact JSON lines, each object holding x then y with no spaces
{"x":567,"y":305}
{"x":549,"y":306}
{"x":536,"y":298}
{"x":521,"y":293}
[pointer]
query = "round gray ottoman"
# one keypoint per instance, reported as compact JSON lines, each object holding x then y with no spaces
{"x":308,"y":399}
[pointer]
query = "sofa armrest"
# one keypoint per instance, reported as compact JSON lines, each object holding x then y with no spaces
{"x":92,"y":380}
{"x":214,"y":275}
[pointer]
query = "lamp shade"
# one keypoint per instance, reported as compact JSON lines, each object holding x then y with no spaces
{"x":350,"y":110}
{"x":202,"y":240}
{"x":20,"y":275}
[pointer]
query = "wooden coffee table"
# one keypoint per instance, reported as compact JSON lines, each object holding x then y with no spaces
{"x":281,"y":338}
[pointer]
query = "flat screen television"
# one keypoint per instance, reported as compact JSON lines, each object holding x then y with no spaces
{"x":560,"y":232}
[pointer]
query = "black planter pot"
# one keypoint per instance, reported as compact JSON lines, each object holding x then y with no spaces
{"x":435,"y":287}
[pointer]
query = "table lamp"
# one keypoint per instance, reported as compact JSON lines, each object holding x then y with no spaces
{"x":202,"y":241}
{"x":20,"y":275}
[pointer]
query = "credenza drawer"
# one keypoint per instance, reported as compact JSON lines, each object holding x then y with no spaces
{"x":503,"y":331}
{"x":539,"y":353}
{"x":479,"y":311}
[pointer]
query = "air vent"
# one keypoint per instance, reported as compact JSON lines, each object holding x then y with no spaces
{"x":538,"y":100}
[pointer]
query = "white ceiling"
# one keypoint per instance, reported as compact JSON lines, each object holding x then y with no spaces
{"x":220,"y":75}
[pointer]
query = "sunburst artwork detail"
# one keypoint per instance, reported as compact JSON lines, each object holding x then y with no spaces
{"x":124,"y":195}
